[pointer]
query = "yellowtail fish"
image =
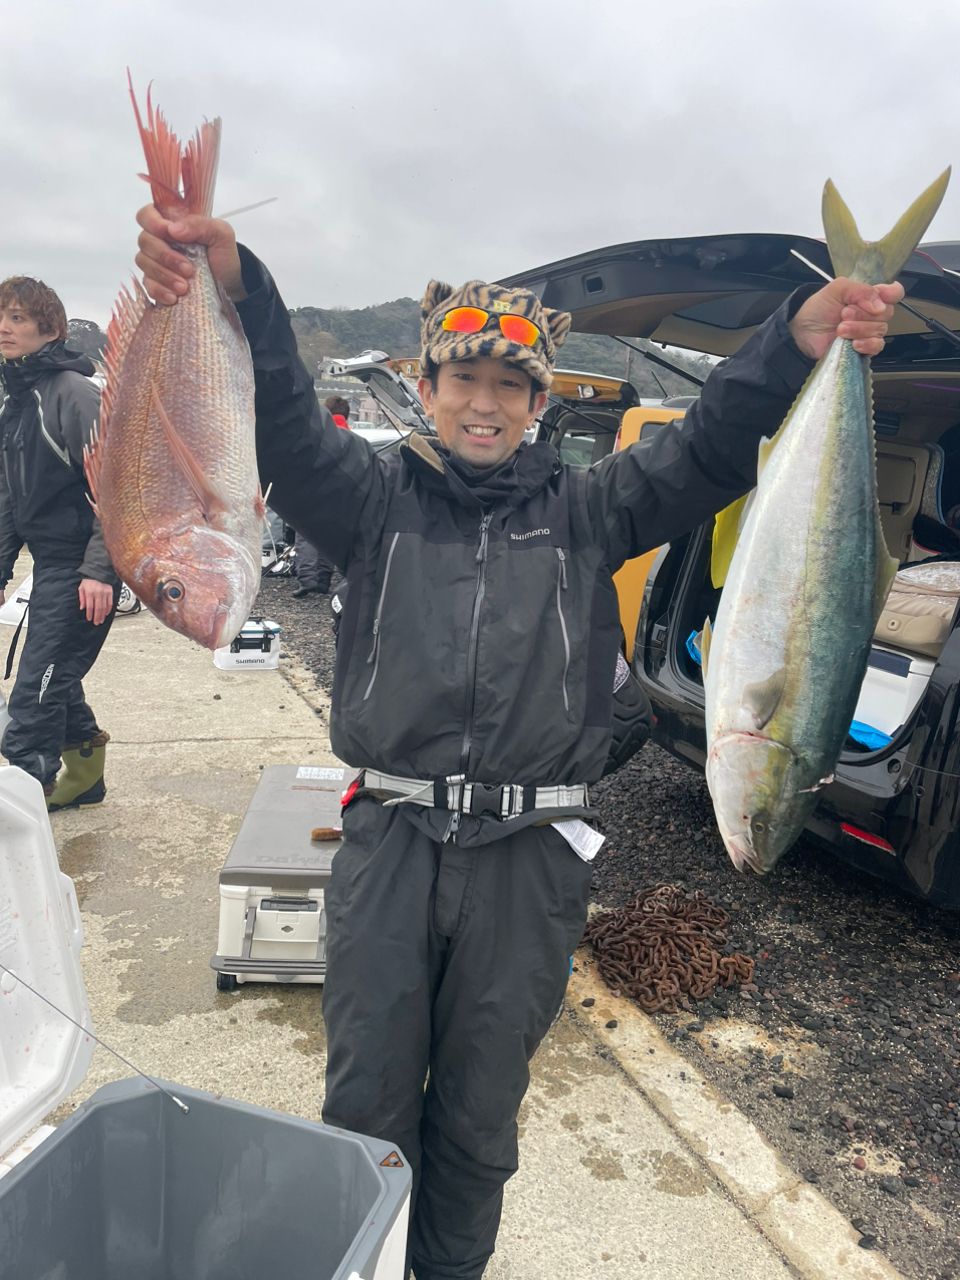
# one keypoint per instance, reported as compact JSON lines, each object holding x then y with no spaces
{"x":785,"y":659}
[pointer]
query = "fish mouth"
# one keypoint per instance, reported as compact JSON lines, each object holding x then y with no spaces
{"x":742,"y":853}
{"x":225,"y":627}
{"x":228,"y":622}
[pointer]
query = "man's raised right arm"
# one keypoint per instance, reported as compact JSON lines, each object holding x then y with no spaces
{"x":323,"y":481}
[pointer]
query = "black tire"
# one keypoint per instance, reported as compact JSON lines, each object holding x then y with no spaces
{"x":226,"y":982}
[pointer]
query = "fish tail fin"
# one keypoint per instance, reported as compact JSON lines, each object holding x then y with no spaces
{"x":161,"y":150}
{"x":880,"y":261}
{"x":199,"y":167}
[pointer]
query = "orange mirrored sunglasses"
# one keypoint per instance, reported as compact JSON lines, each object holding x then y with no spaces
{"x":474,"y":319}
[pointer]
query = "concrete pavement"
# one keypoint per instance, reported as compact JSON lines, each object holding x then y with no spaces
{"x":631,"y":1166}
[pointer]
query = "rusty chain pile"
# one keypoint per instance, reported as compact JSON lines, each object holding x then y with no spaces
{"x":665,"y":945}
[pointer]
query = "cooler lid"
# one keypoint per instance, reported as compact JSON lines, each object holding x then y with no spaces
{"x":274,"y":842}
{"x":43,"y":1057}
{"x":259,"y":627}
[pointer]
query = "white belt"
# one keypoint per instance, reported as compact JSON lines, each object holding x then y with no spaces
{"x":453,"y":792}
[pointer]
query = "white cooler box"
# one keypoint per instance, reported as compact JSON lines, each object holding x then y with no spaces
{"x":130,"y":1186}
{"x":256,"y":648}
{"x":272,"y":921}
{"x":15,"y":606}
{"x":893,"y":685}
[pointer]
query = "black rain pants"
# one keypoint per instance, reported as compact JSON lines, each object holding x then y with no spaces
{"x":47,"y":708}
{"x":446,"y":967}
{"x":312,"y":569}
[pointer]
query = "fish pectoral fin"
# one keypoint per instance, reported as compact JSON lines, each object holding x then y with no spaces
{"x":260,"y":504}
{"x":211,"y":500}
{"x":706,"y":635}
{"x":763,"y":698}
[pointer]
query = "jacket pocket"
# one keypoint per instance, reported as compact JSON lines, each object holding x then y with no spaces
{"x":561,"y":588}
{"x":373,"y":658}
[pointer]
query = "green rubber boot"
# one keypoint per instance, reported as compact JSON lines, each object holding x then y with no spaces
{"x":80,"y":781}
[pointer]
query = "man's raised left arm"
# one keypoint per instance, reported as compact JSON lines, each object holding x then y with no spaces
{"x":654,"y":491}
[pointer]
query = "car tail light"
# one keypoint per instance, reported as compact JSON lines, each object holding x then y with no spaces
{"x":867,"y":837}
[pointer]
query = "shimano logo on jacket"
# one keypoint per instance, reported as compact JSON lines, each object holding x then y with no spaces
{"x":533,"y":533}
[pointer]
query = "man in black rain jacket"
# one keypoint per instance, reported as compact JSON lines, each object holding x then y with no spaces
{"x":48,"y":406}
{"x":473,"y":689}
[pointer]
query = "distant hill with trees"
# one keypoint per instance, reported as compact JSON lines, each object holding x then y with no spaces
{"x":394,"y":327}
{"x":86,"y":336}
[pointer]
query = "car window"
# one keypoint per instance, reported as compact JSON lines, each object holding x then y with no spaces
{"x":577,"y":450}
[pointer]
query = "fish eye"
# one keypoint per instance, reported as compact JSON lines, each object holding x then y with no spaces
{"x":759,"y":827}
{"x":172,"y":589}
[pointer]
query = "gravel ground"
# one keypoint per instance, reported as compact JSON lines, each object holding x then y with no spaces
{"x":845,"y":1049}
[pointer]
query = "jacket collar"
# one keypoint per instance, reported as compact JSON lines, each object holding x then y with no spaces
{"x":509,"y":484}
{"x":18,"y":376}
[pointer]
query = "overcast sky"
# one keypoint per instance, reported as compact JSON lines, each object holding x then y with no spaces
{"x":407,"y":138}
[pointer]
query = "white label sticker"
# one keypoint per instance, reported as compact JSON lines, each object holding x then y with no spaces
{"x":583,"y":840}
{"x":317,"y":774}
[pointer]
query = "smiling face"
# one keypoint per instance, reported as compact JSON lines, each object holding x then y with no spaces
{"x":481,"y":408}
{"x":19,"y":332}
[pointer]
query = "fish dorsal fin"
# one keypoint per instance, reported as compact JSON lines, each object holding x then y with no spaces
{"x":763,"y":698}
{"x":212,"y":502}
{"x":706,"y":635}
{"x":769,"y":443}
{"x":726,"y":531}
{"x":880,"y":261}
{"x":128,"y":311}
{"x":92,"y":467}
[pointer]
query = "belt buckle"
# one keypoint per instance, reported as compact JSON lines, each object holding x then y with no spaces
{"x":484,"y":799}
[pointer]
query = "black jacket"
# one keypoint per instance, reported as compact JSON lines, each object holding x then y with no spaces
{"x":480,"y":638}
{"x":48,"y":407}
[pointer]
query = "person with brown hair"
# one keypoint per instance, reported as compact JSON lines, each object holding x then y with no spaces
{"x":48,"y":407}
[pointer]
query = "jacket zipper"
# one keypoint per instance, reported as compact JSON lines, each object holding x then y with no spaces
{"x":562,"y":586}
{"x":374,"y":655}
{"x":481,"y":560}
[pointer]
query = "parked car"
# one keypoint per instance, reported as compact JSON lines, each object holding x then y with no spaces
{"x":893,"y":808}
{"x":394,"y":392}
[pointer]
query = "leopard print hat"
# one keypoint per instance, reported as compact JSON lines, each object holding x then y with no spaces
{"x":439,"y":347}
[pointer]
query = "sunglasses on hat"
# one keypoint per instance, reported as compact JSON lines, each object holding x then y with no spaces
{"x":515,"y":328}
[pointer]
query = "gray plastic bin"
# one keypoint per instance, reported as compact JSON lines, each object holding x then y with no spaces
{"x":130,"y":1188}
